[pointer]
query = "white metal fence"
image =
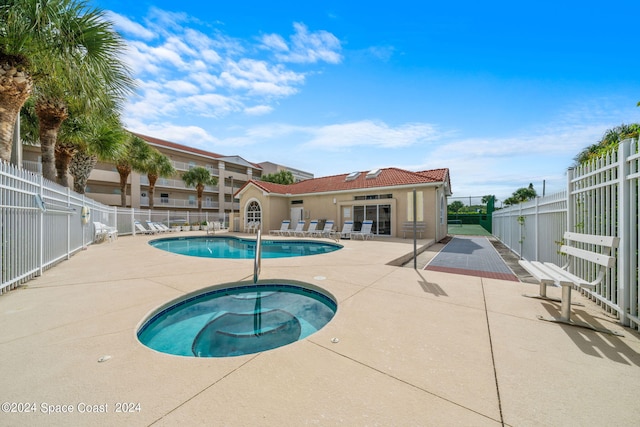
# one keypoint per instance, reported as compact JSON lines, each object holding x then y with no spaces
{"x":602,"y":199}
{"x":41,"y":223}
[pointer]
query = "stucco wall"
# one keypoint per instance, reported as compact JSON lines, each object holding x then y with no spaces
{"x":276,"y":208}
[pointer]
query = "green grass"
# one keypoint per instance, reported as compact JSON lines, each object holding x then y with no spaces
{"x":468,"y":230}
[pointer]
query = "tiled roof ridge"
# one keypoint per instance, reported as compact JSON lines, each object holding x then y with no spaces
{"x":170,"y":144}
{"x":390,"y":176}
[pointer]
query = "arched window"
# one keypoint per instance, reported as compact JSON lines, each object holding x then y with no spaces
{"x":254,"y":212}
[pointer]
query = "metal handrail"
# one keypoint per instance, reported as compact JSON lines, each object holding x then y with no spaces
{"x":257,"y":263}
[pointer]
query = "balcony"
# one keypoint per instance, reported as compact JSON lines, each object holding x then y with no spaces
{"x":175,"y":183}
{"x":185,"y":166}
{"x":162,"y":203}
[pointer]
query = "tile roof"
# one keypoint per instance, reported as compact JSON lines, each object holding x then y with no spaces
{"x":174,"y":146}
{"x":388,"y":177}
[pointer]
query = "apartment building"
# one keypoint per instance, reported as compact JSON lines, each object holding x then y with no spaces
{"x":171,"y":193}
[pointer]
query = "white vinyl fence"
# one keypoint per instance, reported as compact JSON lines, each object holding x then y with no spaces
{"x":41,"y":223}
{"x":601,"y":199}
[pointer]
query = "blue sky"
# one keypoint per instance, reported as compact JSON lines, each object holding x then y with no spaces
{"x":503,"y":94}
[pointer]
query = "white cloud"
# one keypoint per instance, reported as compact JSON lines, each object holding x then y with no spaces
{"x":129,"y":28}
{"x":368,"y":133}
{"x":258,"y":110}
{"x":305,"y":47}
{"x":186,"y":72}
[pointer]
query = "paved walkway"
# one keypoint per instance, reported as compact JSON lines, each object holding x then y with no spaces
{"x":407,"y":347}
{"x":471,"y":256}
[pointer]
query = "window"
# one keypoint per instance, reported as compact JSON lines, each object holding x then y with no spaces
{"x":254,"y":212}
{"x":164,"y":197}
{"x":373,"y":174}
{"x":379,"y":214}
{"x":352,"y":176}
{"x":192,"y":200}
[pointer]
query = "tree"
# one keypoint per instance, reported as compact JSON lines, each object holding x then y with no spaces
{"x":487,"y":198}
{"x":63,"y":52}
{"x":103,"y":138}
{"x":198,"y":177}
{"x":456,"y":206}
{"x":609,"y":141}
{"x":156,"y":165}
{"x":521,"y":195}
{"x":282,"y":177}
{"x":133,"y":157}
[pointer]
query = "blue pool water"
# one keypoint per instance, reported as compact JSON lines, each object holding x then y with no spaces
{"x":239,"y":248}
{"x":237,"y":320}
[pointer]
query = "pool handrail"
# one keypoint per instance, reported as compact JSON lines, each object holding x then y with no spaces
{"x":257,"y":263}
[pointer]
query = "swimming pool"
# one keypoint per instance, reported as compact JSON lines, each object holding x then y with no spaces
{"x":240,"y":248}
{"x":237,"y":319}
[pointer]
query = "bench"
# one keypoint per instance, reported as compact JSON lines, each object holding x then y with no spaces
{"x":407,"y":227}
{"x":548,"y":273}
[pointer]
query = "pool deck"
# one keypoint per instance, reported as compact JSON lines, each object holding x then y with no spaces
{"x":414,"y":347}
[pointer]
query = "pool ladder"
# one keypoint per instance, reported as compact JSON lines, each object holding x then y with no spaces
{"x":257,"y":263}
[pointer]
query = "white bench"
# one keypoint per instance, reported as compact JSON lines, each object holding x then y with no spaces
{"x":548,"y":273}
{"x":407,"y":227}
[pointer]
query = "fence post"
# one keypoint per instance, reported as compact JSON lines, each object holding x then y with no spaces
{"x":624,"y":221}
{"x":570,"y":206}
{"x":536,"y":233}
{"x":41,"y":231}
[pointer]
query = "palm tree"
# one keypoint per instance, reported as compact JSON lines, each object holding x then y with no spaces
{"x":198,"y":177}
{"x":156,"y":166}
{"x":102,"y":139}
{"x":63,"y":51}
{"x":136,"y":153}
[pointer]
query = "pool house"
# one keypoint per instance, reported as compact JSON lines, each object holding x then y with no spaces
{"x":385,"y":196}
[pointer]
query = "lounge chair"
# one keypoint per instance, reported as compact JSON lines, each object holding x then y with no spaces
{"x":298,"y":230}
{"x":162,"y":227}
{"x":284,"y":228}
{"x":212,"y":227}
{"x":365,"y":231}
{"x":327,"y":231}
{"x":104,"y":232}
{"x":141,"y":228}
{"x":99,"y":234}
{"x":154,"y":227}
{"x":346,"y":230}
{"x":311,"y":229}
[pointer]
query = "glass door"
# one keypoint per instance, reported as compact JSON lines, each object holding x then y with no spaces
{"x":379,"y":214}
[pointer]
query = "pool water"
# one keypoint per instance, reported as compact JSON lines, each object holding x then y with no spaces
{"x":239,"y":248}
{"x":237,"y":320}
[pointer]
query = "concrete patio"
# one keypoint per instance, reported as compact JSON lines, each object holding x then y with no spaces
{"x":415,"y":347}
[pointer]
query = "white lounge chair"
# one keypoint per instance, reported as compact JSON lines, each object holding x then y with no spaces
{"x":365,"y":231}
{"x":346,"y":230}
{"x":163,"y":227}
{"x":104,"y":232}
{"x":212,"y":227}
{"x":298,"y":230}
{"x":327,"y":231}
{"x":154,"y":227}
{"x":99,"y":234}
{"x":311,"y":229}
{"x":284,"y":228}
{"x":141,"y":228}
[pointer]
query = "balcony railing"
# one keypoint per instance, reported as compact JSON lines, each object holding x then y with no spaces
{"x":174,"y":183}
{"x":160,"y":202}
{"x":185,"y":166}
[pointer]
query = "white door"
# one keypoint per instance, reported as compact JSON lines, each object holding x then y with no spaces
{"x":296,"y":215}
